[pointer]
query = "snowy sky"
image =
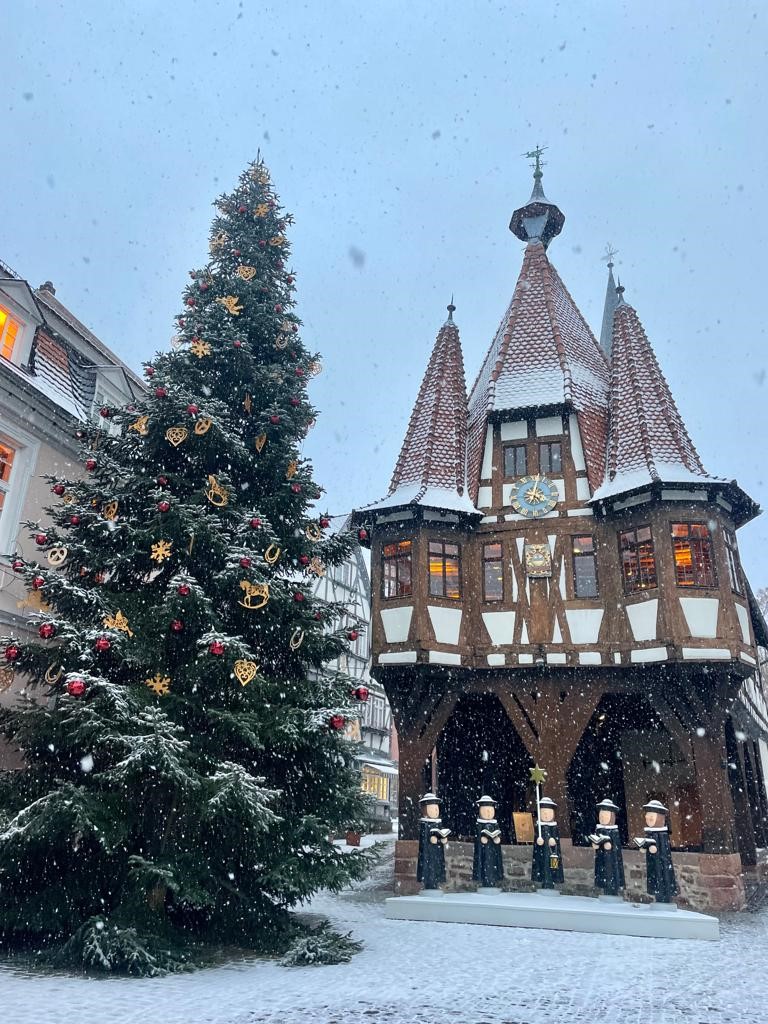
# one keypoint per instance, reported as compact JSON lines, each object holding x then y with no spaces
{"x":394,"y":131}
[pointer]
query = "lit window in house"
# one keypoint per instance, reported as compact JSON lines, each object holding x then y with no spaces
{"x":584,"y":567}
{"x":7,"y":455}
{"x":444,"y":570}
{"x":692,"y":547}
{"x":493,"y":573}
{"x":734,"y":564}
{"x":396,"y":570}
{"x":375,"y":784}
{"x":638,"y":560}
{"x":550,"y":457}
{"x":9,"y":329}
{"x":515,"y":460}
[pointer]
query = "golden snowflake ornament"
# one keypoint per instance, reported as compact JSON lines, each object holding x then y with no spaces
{"x":159,"y":684}
{"x":219,"y":240}
{"x":161,"y":550}
{"x":261,"y":210}
{"x":200,"y":348}
{"x":231,"y":303}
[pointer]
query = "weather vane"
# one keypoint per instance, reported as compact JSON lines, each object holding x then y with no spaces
{"x":535,"y":155}
{"x":610,"y":252}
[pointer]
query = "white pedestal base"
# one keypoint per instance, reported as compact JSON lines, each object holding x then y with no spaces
{"x":568,"y":913}
{"x":434,"y":893}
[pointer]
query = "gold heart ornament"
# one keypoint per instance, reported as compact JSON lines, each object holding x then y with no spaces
{"x":245,"y":671}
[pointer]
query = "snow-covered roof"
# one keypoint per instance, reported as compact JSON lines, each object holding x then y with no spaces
{"x":445,"y":499}
{"x":666,"y":473}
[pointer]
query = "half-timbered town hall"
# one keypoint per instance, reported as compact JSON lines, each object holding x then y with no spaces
{"x":556,"y":580}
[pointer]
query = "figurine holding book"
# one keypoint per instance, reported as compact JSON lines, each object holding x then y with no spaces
{"x":488,"y":866}
{"x":661,"y":881}
{"x":433,"y":839}
{"x":606,"y":842}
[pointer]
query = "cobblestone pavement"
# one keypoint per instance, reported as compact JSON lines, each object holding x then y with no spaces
{"x":419,"y":973}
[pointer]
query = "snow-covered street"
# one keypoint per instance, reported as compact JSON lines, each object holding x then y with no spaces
{"x":413,"y":973}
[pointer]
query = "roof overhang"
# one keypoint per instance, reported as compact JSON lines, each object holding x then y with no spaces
{"x":725,"y":493}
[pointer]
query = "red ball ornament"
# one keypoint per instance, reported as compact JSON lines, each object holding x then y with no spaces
{"x":12,"y":652}
{"x":149,"y":371}
{"x":274,"y":420}
{"x":17,"y":565}
{"x":76,"y":687}
{"x":193,"y":409}
{"x":337,"y":722}
{"x":318,"y":617}
{"x":299,"y":371}
{"x":161,"y":392}
{"x":278,"y":308}
{"x":262,"y":244}
{"x":177,"y":626}
{"x":105,"y":411}
{"x":242,"y":209}
{"x":289,"y":279}
{"x":361,"y":693}
{"x":255,"y":523}
{"x":216,"y":647}
{"x":237,"y":344}
{"x":38,"y":582}
{"x":296,"y":488}
{"x":295,"y":402}
{"x":90,"y":465}
{"x":295,"y":328}
{"x":245,"y":562}
{"x":74,"y":520}
{"x":183,"y":590}
{"x":190,"y":301}
{"x":204,"y":286}
{"x":40,"y":539}
{"x":298,"y":597}
{"x":162,"y":481}
{"x":47,"y":630}
{"x":325,"y":522}
{"x":352,"y":634}
{"x":163,"y":506}
{"x":304,"y":559}
{"x":235,"y":252}
{"x":58,"y":489}
{"x":103,"y":644}
{"x":362,"y":534}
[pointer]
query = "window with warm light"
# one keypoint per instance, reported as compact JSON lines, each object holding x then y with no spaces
{"x":638,"y":559}
{"x":692,"y":549}
{"x":493,"y":573}
{"x":396,"y":576}
{"x":7,"y":455}
{"x":375,"y":785}
{"x":444,"y":570}
{"x":9,"y":330}
{"x":734,"y":562}
{"x":515,"y":460}
{"x":550,"y":457}
{"x":584,"y":567}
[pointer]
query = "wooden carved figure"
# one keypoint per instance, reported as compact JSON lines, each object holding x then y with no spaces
{"x":661,"y":881}
{"x":433,"y":839}
{"x":606,"y":842}
{"x":487,"y":866}
{"x":547,"y":867}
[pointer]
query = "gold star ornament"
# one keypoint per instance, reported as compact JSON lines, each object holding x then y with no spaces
{"x":538,"y":775}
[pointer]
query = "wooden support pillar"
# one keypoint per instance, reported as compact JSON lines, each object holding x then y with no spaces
{"x":753,"y":793}
{"x":410,"y":789}
{"x":745,"y":833}
{"x":717,"y":833}
{"x":757,"y":767}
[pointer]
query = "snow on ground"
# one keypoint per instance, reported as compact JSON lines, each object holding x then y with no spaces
{"x":418,"y":973}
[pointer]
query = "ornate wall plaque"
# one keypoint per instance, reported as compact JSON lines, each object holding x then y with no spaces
{"x":538,"y":560}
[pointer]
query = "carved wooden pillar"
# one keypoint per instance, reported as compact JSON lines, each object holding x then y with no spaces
{"x":745,"y":833}
{"x":717,"y":833}
{"x":753,"y":793}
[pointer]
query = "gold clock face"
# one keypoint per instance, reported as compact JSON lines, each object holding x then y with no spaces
{"x":534,"y":496}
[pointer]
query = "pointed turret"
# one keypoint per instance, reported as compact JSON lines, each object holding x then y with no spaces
{"x":611,"y":301}
{"x":432,"y":467}
{"x":539,"y":220}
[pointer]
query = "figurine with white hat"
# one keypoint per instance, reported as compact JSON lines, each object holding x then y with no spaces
{"x":661,"y":881}
{"x":547,"y":866}
{"x":433,"y":839}
{"x":606,"y":842}
{"x":487,"y":866}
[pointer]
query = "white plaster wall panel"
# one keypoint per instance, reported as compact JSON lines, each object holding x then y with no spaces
{"x":584,"y":624}
{"x":514,"y":430}
{"x":444,"y":658}
{"x":548,"y":426}
{"x":748,"y":658}
{"x":396,"y":623}
{"x":398,"y":658}
{"x":520,"y":545}
{"x":446,"y":623}
{"x":552,"y":540}
{"x":701,"y":615}
{"x":507,"y":491}
{"x":706,"y":654}
{"x":511,"y":517}
{"x":524,"y":635}
{"x":528,"y":589}
{"x":562,"y":580}
{"x":590,"y":658}
{"x":639,"y":499}
{"x":484,"y":497}
{"x":583,"y":492}
{"x":580,"y":512}
{"x":501,"y":627}
{"x":642,"y":619}
{"x":496,"y":659}
{"x":617,"y":658}
{"x":577,"y":450}
{"x":525,"y":659}
{"x":557,"y":636}
{"x":649,"y":654}
{"x":560,"y":485}
{"x":513,"y":576}
{"x":487,"y":469}
{"x":741,"y":611}
{"x":556,"y":659}
{"x":678,"y":495}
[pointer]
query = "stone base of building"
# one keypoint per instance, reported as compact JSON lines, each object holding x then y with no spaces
{"x":708,"y":882}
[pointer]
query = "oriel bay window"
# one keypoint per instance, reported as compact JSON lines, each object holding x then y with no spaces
{"x":515,"y":460}
{"x":584,"y":567}
{"x":692,"y":549}
{"x":444,"y":570}
{"x":638,"y":559}
{"x":493,"y":573}
{"x":396,"y":575}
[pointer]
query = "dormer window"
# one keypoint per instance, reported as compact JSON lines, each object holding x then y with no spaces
{"x":444,"y":570}
{"x":550,"y":458}
{"x":9,"y":331}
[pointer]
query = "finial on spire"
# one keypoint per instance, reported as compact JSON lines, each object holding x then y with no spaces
{"x":451,"y":311}
{"x":539,"y":220}
{"x":610,"y":252}
{"x":620,"y":293}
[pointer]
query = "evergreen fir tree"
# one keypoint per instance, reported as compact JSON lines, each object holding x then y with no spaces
{"x":184,"y":760}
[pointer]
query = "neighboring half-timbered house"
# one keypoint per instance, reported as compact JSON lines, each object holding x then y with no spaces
{"x":556,"y":579}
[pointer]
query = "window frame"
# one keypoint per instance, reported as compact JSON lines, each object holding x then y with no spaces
{"x":396,"y":559}
{"x":640,"y":589}
{"x":26,"y":449}
{"x":549,"y":471}
{"x":459,"y":581}
{"x":11,"y":319}
{"x":574,"y":556}
{"x":514,"y":446}
{"x":733,"y":561}
{"x":709,"y":540}
{"x":484,"y":561}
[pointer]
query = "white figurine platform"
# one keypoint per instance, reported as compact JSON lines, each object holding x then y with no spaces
{"x":552,"y":911}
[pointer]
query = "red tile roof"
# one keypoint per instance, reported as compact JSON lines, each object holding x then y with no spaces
{"x":434,"y":450}
{"x":543,"y":354}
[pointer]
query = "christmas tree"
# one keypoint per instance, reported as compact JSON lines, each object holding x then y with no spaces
{"x":184,"y":761}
